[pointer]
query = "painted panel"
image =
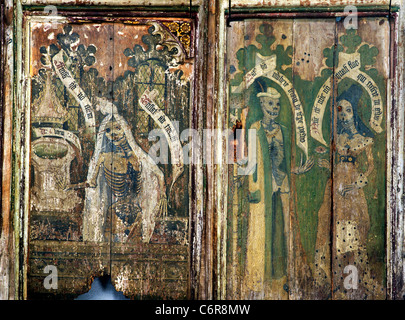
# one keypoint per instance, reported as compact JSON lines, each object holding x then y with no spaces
{"x":259,"y":201}
{"x":109,"y":186}
{"x":307,"y":186}
{"x":359,"y":178}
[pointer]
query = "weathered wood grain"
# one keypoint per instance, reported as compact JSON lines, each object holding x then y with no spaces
{"x":235,"y":3}
{"x":311,"y":235}
{"x":395,"y":223}
{"x":235,"y":40}
{"x":260,"y":217}
{"x":7,"y":249}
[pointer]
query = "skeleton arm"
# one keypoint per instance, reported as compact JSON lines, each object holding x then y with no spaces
{"x":136,"y":164}
{"x":92,"y":183}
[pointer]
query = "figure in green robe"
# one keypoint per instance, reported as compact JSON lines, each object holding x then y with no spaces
{"x":268,"y":222}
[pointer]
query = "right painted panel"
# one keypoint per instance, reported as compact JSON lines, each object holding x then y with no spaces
{"x":307,"y":189}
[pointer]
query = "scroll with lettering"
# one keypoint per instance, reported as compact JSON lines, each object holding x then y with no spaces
{"x":171,"y":134}
{"x":60,"y":133}
{"x":266,"y":67}
{"x":348,"y":67}
{"x":69,"y":82}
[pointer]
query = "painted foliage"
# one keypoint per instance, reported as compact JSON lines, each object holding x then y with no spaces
{"x":109,"y":187}
{"x":310,"y":210}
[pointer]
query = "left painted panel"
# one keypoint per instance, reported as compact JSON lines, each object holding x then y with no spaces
{"x":108,"y":180}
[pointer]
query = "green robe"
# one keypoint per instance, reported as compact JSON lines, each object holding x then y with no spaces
{"x":275,"y":240}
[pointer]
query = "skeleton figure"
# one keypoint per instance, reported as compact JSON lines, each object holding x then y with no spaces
{"x":119,"y":164}
{"x":121,"y":169}
{"x":125,"y":189}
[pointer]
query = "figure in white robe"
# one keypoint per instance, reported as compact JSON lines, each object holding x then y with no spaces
{"x":124,"y":185}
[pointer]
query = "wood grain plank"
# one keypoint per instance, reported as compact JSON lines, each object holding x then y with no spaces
{"x":235,"y":40}
{"x":359,"y":170}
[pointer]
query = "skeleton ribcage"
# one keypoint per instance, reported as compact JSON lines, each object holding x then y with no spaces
{"x":117,"y":182}
{"x":121,"y":183}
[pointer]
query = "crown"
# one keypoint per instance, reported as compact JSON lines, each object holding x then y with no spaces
{"x":47,"y":107}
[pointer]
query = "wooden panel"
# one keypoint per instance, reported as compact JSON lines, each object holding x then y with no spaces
{"x":109,"y":186}
{"x":235,"y":4}
{"x":234,"y":247}
{"x":359,"y":177}
{"x":156,"y":266}
{"x":260,"y":217}
{"x":311,"y":178}
{"x":7,"y":267}
{"x":311,"y":190}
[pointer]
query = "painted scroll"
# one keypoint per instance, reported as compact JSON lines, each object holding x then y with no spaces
{"x":100,"y":202}
{"x":280,"y":241}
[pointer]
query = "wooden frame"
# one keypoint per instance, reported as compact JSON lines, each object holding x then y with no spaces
{"x":208,"y":212}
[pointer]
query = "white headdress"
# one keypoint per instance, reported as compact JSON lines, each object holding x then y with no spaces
{"x":152,"y":193}
{"x":271,"y":92}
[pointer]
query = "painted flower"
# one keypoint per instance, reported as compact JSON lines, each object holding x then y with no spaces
{"x":174,"y":27}
{"x":185,"y":40}
{"x":185,"y":28}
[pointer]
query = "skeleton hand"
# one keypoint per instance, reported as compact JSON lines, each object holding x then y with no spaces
{"x":346,"y":188}
{"x":163,"y":206}
{"x":304,"y":167}
{"x":69,"y":187}
{"x":324,"y":163}
{"x":239,"y":180}
{"x":74,"y":186}
{"x":80,"y":186}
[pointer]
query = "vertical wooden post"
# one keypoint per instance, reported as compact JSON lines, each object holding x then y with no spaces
{"x":7,"y":253}
{"x":212,"y":241}
{"x":209,"y":235}
{"x":222,"y":158}
{"x":395,"y":163}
